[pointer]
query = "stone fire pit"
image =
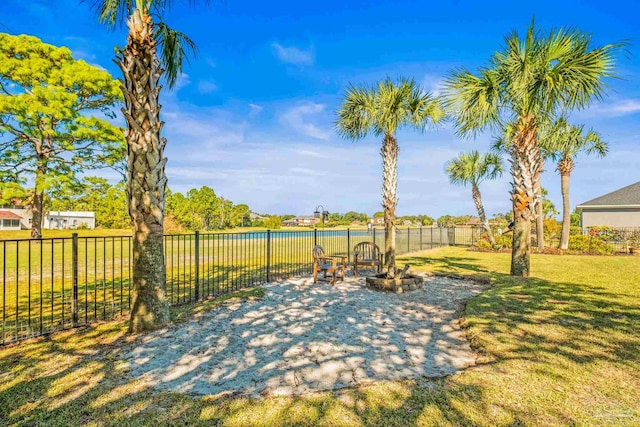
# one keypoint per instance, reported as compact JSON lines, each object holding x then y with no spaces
{"x":408,"y":282}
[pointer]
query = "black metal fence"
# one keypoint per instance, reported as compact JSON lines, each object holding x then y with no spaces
{"x":59,"y":283}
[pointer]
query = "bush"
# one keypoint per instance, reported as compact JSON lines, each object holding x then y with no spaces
{"x":552,"y":228}
{"x":273,"y":222}
{"x":483,"y":244}
{"x":589,"y":244}
{"x":504,"y":240}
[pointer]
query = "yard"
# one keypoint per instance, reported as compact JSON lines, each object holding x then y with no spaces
{"x":561,"y":348}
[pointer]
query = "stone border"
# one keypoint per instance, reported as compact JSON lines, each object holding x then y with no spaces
{"x":410,"y":282}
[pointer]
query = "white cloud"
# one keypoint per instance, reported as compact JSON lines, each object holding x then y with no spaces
{"x":617,"y":108}
{"x":182,"y":81}
{"x":206,"y":86}
{"x":83,"y":54}
{"x":293,"y":55}
{"x":433,"y":84}
{"x":622,"y":107}
{"x":255,"y":109}
{"x":298,"y":119}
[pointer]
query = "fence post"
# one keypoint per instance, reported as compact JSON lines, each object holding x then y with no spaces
{"x":473,"y":229}
{"x":348,"y":245}
{"x":315,"y":236}
{"x":197,"y":254}
{"x":374,"y":235}
{"x":408,"y":235}
{"x":268,"y":255}
{"x":420,"y":236}
{"x":431,"y":241}
{"x":74,"y":272}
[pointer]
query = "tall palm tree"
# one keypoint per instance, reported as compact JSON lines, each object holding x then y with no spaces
{"x":502,"y":144}
{"x":382,"y":110}
{"x":473,"y":168}
{"x":528,"y":81}
{"x":565,"y":143}
{"x":142,"y":67}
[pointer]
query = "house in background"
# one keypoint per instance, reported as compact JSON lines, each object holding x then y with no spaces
{"x":24,"y":216}
{"x":300,"y":221}
{"x":56,"y":220}
{"x":618,"y":209}
{"x":9,"y":220}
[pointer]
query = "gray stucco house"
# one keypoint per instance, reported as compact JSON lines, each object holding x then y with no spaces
{"x":618,"y":209}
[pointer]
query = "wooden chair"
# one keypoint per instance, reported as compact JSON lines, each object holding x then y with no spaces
{"x":366,"y":253}
{"x":327,"y":264}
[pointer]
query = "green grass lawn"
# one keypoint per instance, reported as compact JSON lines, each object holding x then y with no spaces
{"x":561,"y":348}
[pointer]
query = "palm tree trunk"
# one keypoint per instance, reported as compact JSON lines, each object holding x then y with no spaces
{"x":146,"y":180}
{"x":477,"y":198}
{"x":389,"y":154}
{"x":524,"y":165}
{"x":539,"y":215}
{"x":566,"y":209}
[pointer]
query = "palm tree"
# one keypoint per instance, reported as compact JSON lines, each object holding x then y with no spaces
{"x":565,"y":142}
{"x":381,"y":110}
{"x":527,"y":82}
{"x":501,"y":144}
{"x":473,"y":168}
{"x":142,"y":67}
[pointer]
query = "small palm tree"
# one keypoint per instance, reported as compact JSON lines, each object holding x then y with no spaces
{"x":473,"y":168}
{"x":142,"y":67}
{"x":382,"y":110}
{"x":565,"y":142}
{"x":530,"y":80}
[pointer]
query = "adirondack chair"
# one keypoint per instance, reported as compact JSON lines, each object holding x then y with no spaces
{"x":327,"y":264}
{"x":366,"y":253}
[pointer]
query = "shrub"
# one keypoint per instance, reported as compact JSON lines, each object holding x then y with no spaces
{"x":589,"y":244}
{"x":504,"y":240}
{"x":552,"y":228}
{"x":273,"y":222}
{"x":483,"y":244}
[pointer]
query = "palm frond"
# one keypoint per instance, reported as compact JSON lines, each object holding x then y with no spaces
{"x":175,"y":48}
{"x":473,"y":168}
{"x":385,"y":108}
{"x":113,"y":12}
{"x":356,"y":114}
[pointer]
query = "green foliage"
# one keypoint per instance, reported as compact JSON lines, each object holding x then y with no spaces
{"x":533,"y":76}
{"x":504,"y":240}
{"x":109,"y":202}
{"x":46,"y":104}
{"x":451,"y":221}
{"x":273,"y":222}
{"x":473,"y":168}
{"x":379,"y":214}
{"x":386,"y":107}
{"x":552,"y":228}
{"x":201,"y":209}
{"x":575,"y":218}
{"x":50,"y":108}
{"x":589,"y":244}
{"x":174,"y":46}
{"x":483,"y":244}
{"x":12,"y":194}
{"x":416,"y":220}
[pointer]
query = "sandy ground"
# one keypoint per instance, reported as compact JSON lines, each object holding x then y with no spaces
{"x":303,"y":338}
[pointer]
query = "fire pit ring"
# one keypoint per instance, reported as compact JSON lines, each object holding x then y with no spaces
{"x":408,"y":282}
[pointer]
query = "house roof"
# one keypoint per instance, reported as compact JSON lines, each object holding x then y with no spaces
{"x":9,"y":215}
{"x":624,"y":197}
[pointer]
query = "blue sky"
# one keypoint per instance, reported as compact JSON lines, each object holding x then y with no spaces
{"x":252,"y":117}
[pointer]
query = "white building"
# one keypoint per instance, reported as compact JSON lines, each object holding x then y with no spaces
{"x":9,"y":220}
{"x":69,"y":219}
